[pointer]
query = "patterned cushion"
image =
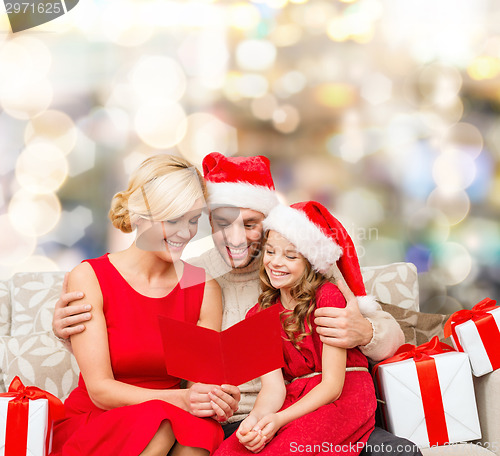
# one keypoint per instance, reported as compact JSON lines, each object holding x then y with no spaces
{"x":33,"y":298}
{"x":418,"y":327}
{"x":5,"y":308}
{"x":395,"y":283}
{"x":39,"y":360}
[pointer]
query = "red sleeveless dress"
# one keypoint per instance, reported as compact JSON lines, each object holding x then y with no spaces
{"x":339,"y":428}
{"x":137,"y":358}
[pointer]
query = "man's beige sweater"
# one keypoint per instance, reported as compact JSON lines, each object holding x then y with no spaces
{"x":240,"y":292}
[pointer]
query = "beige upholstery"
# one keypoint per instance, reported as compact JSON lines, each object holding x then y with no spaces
{"x":29,"y":350}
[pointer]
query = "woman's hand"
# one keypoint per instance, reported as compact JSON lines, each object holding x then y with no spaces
{"x":219,"y":402}
{"x":224,"y":400}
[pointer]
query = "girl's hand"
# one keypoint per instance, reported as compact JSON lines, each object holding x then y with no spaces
{"x":252,"y":440}
{"x":268,"y":426}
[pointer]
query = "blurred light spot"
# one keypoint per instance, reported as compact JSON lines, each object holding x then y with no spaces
{"x":264,"y":107}
{"x":376,"y":89}
{"x":243,"y":16}
{"x":72,"y":225}
{"x":41,"y":168}
{"x":451,"y":262}
{"x":133,"y":27}
{"x":484,"y":67}
{"x":361,"y":206}
{"x":54,"y":126}
{"x":15,"y":246}
{"x":205,"y":55}
{"x":338,"y":29}
{"x":82,"y":158}
{"x":352,"y":24}
{"x":485,"y":166}
{"x":440,"y":117}
{"x":290,"y":83}
{"x":454,"y":205}
{"x":336,"y":95}
{"x":427,"y":226}
{"x":298,"y":2}
{"x":419,"y":255}
{"x":158,"y":78}
{"x":453,"y":170}
{"x":255,"y":55}
{"x":24,"y":102}
{"x":34,"y":214}
{"x":161,"y":125}
{"x":36,"y":263}
{"x":25,"y":60}
{"x":286,"y":119}
{"x":481,"y":237}
{"x":354,"y":143}
{"x":276,"y":4}
{"x":465,"y":137}
{"x":206,"y":133}
{"x":286,"y":35}
{"x":251,"y":85}
{"x":108,"y":126}
{"x":439,"y":84}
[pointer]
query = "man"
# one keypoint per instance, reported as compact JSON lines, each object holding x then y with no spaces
{"x":241,"y":193}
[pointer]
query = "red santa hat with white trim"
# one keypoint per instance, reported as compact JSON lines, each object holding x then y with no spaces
{"x":323,"y":241}
{"x":239,"y":182}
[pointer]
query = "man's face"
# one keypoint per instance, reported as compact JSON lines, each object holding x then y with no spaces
{"x":237,"y":234}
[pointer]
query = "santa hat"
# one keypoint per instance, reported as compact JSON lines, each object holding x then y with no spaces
{"x":323,"y":241}
{"x":239,"y":182}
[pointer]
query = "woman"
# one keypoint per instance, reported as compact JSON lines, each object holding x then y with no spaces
{"x":125,"y":402}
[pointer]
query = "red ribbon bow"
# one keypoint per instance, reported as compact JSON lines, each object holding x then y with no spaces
{"x":16,"y":433}
{"x":486,"y":327}
{"x":429,"y":384}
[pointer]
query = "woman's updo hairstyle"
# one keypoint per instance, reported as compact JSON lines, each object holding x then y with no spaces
{"x":164,"y":187}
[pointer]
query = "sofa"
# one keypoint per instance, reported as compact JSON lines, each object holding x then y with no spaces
{"x":29,"y":350}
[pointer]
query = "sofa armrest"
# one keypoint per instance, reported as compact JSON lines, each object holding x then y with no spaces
{"x":487,"y":390}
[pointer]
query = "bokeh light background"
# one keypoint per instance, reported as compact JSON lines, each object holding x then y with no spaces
{"x":386,"y":111}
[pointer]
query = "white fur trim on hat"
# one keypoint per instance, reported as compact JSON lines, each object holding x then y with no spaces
{"x":241,"y":194}
{"x":320,"y":250}
{"x":367,"y":304}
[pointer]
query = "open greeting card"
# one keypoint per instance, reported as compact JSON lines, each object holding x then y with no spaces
{"x":234,"y":356}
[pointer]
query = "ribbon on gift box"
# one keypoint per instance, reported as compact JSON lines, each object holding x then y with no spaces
{"x":16,"y":434}
{"x":428,"y":381}
{"x":486,"y":327}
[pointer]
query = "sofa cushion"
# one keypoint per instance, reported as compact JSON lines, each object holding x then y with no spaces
{"x":33,"y":298}
{"x":395,"y":283}
{"x":39,"y":360}
{"x":5,"y":308}
{"x":418,"y":327}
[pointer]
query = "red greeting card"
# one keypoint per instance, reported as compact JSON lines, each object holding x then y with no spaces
{"x":234,"y":356}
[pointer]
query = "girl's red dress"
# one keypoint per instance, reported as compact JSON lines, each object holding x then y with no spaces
{"x":339,"y":428}
{"x":137,"y":358}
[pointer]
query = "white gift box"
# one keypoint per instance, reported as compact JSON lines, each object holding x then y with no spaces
{"x":404,"y":412}
{"x":37,"y":426}
{"x":470,"y":340}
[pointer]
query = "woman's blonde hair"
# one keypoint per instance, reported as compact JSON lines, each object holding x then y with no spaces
{"x":297,"y":324}
{"x":164,"y":187}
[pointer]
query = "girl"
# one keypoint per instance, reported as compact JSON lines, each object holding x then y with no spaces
{"x":323,"y":401}
{"x":126,"y":403}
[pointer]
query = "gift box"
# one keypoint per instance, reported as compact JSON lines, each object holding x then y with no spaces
{"x":429,"y":395}
{"x":476,"y":332}
{"x":26,"y":417}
